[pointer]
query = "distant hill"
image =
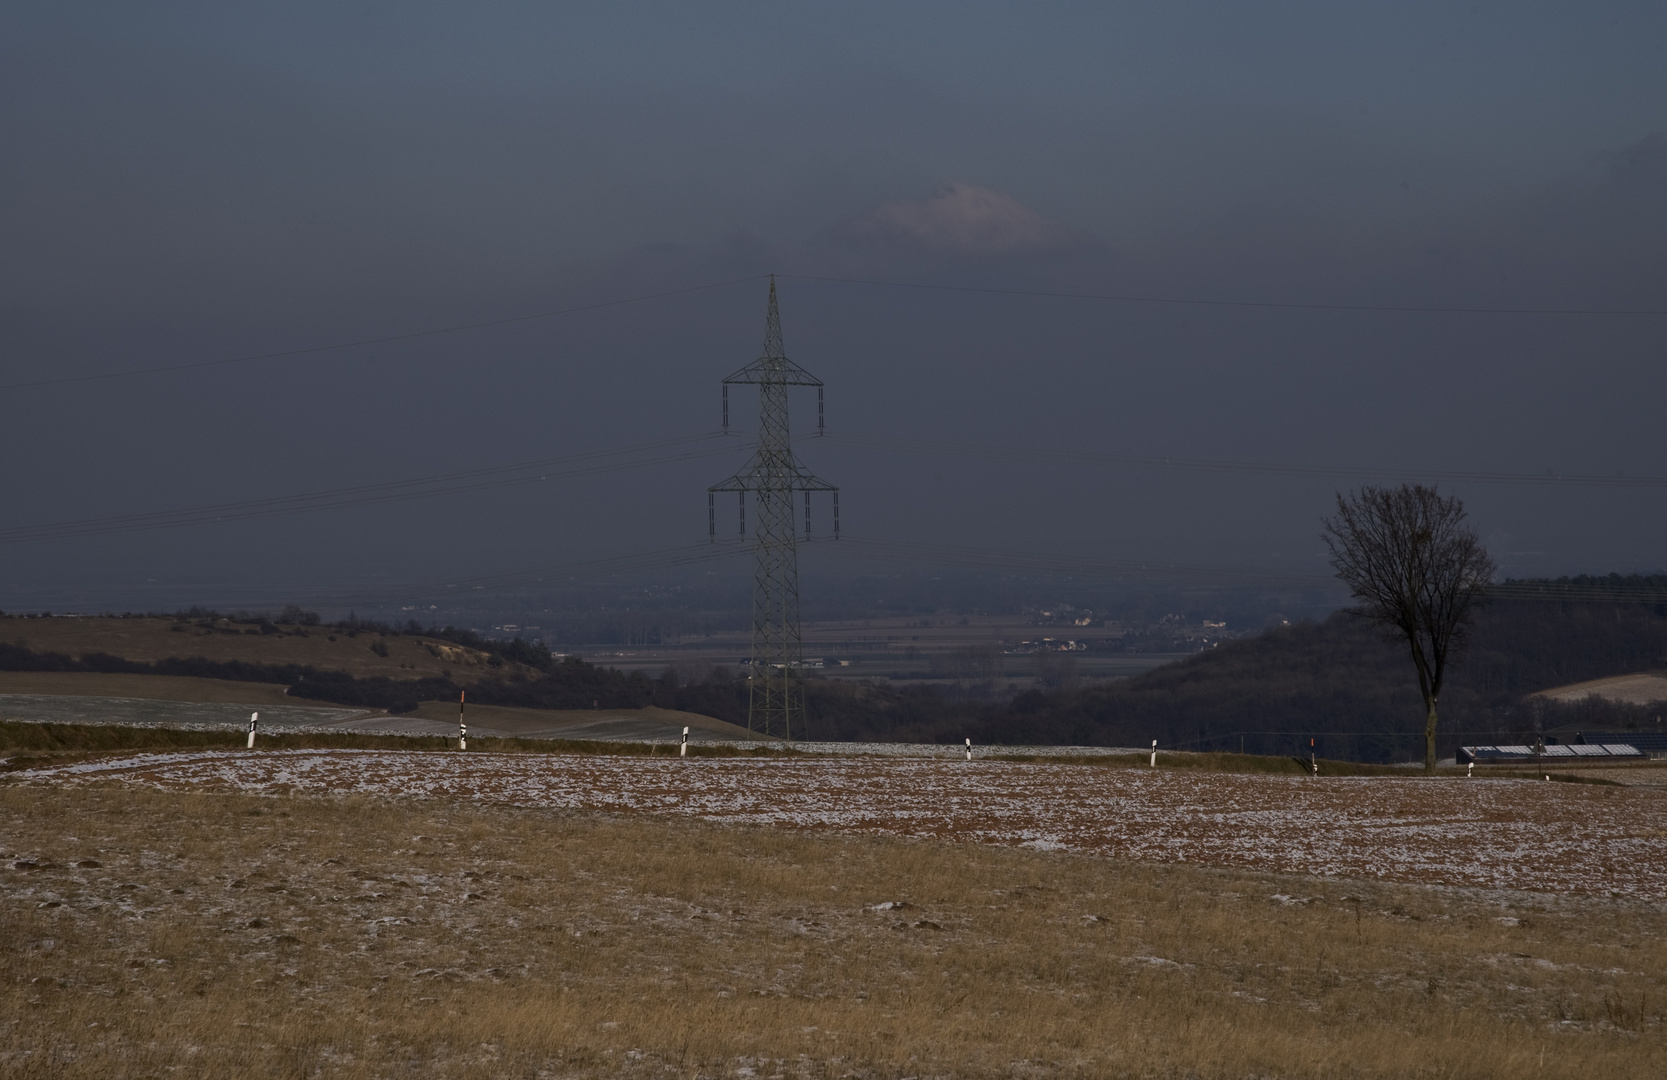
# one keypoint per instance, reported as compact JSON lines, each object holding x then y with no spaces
{"x":1343,"y":676}
{"x":368,"y":665}
{"x":1340,"y":681}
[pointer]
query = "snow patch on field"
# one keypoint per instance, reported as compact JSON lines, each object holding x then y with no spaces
{"x":1478,"y":832}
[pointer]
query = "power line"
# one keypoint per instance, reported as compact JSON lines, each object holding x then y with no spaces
{"x":859,"y":547}
{"x":940,"y":555}
{"x":1031,"y":562}
{"x":559,"y":468}
{"x":620,"y":458}
{"x":388,"y":339}
{"x":1363,"y":472}
{"x":603,"y":566}
{"x":1130,"y":298}
{"x":1550,"y":592}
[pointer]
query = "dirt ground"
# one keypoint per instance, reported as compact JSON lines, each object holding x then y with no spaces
{"x":214,"y":933}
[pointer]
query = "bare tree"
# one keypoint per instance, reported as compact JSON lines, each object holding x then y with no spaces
{"x":1417,"y":570}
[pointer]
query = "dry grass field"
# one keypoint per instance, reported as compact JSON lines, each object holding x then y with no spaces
{"x":148,"y":687}
{"x":199,"y":932}
{"x":1640,"y":688}
{"x":648,"y":723}
{"x":150,"y":639}
{"x":38,"y":748}
{"x":1496,"y":833}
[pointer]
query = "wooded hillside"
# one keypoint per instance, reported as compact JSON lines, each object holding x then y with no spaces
{"x":1339,"y":681}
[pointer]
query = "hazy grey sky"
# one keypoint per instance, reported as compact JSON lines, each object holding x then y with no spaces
{"x":191,"y":182}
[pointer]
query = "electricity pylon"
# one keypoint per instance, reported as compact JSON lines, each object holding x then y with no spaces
{"x":776,"y":701}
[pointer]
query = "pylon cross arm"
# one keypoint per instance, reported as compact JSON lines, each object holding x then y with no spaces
{"x":757,"y":477}
{"x":777,"y":369}
{"x":801,"y":482}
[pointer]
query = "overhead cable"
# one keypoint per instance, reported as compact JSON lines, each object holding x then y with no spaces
{"x":1351,"y":472}
{"x":388,"y":339}
{"x":1032,"y":562}
{"x":1278,"y":305}
{"x":1041,"y":563}
{"x":567,"y":467}
{"x":1022,"y":563}
{"x":583,"y":569}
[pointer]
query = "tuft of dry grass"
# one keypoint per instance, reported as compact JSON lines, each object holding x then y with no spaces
{"x":148,"y":933}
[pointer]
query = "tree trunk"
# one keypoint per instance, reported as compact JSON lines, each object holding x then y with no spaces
{"x":1429,"y":737}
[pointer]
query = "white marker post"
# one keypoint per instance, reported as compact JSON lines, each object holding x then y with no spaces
{"x":1469,"y":768}
{"x":969,"y":749}
{"x":1313,"y":762}
{"x":683,"y":747}
{"x":1154,"y":753}
{"x":254,"y":720}
{"x":462,"y":728}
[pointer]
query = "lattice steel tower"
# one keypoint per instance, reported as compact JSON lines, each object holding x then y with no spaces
{"x":776,"y":704}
